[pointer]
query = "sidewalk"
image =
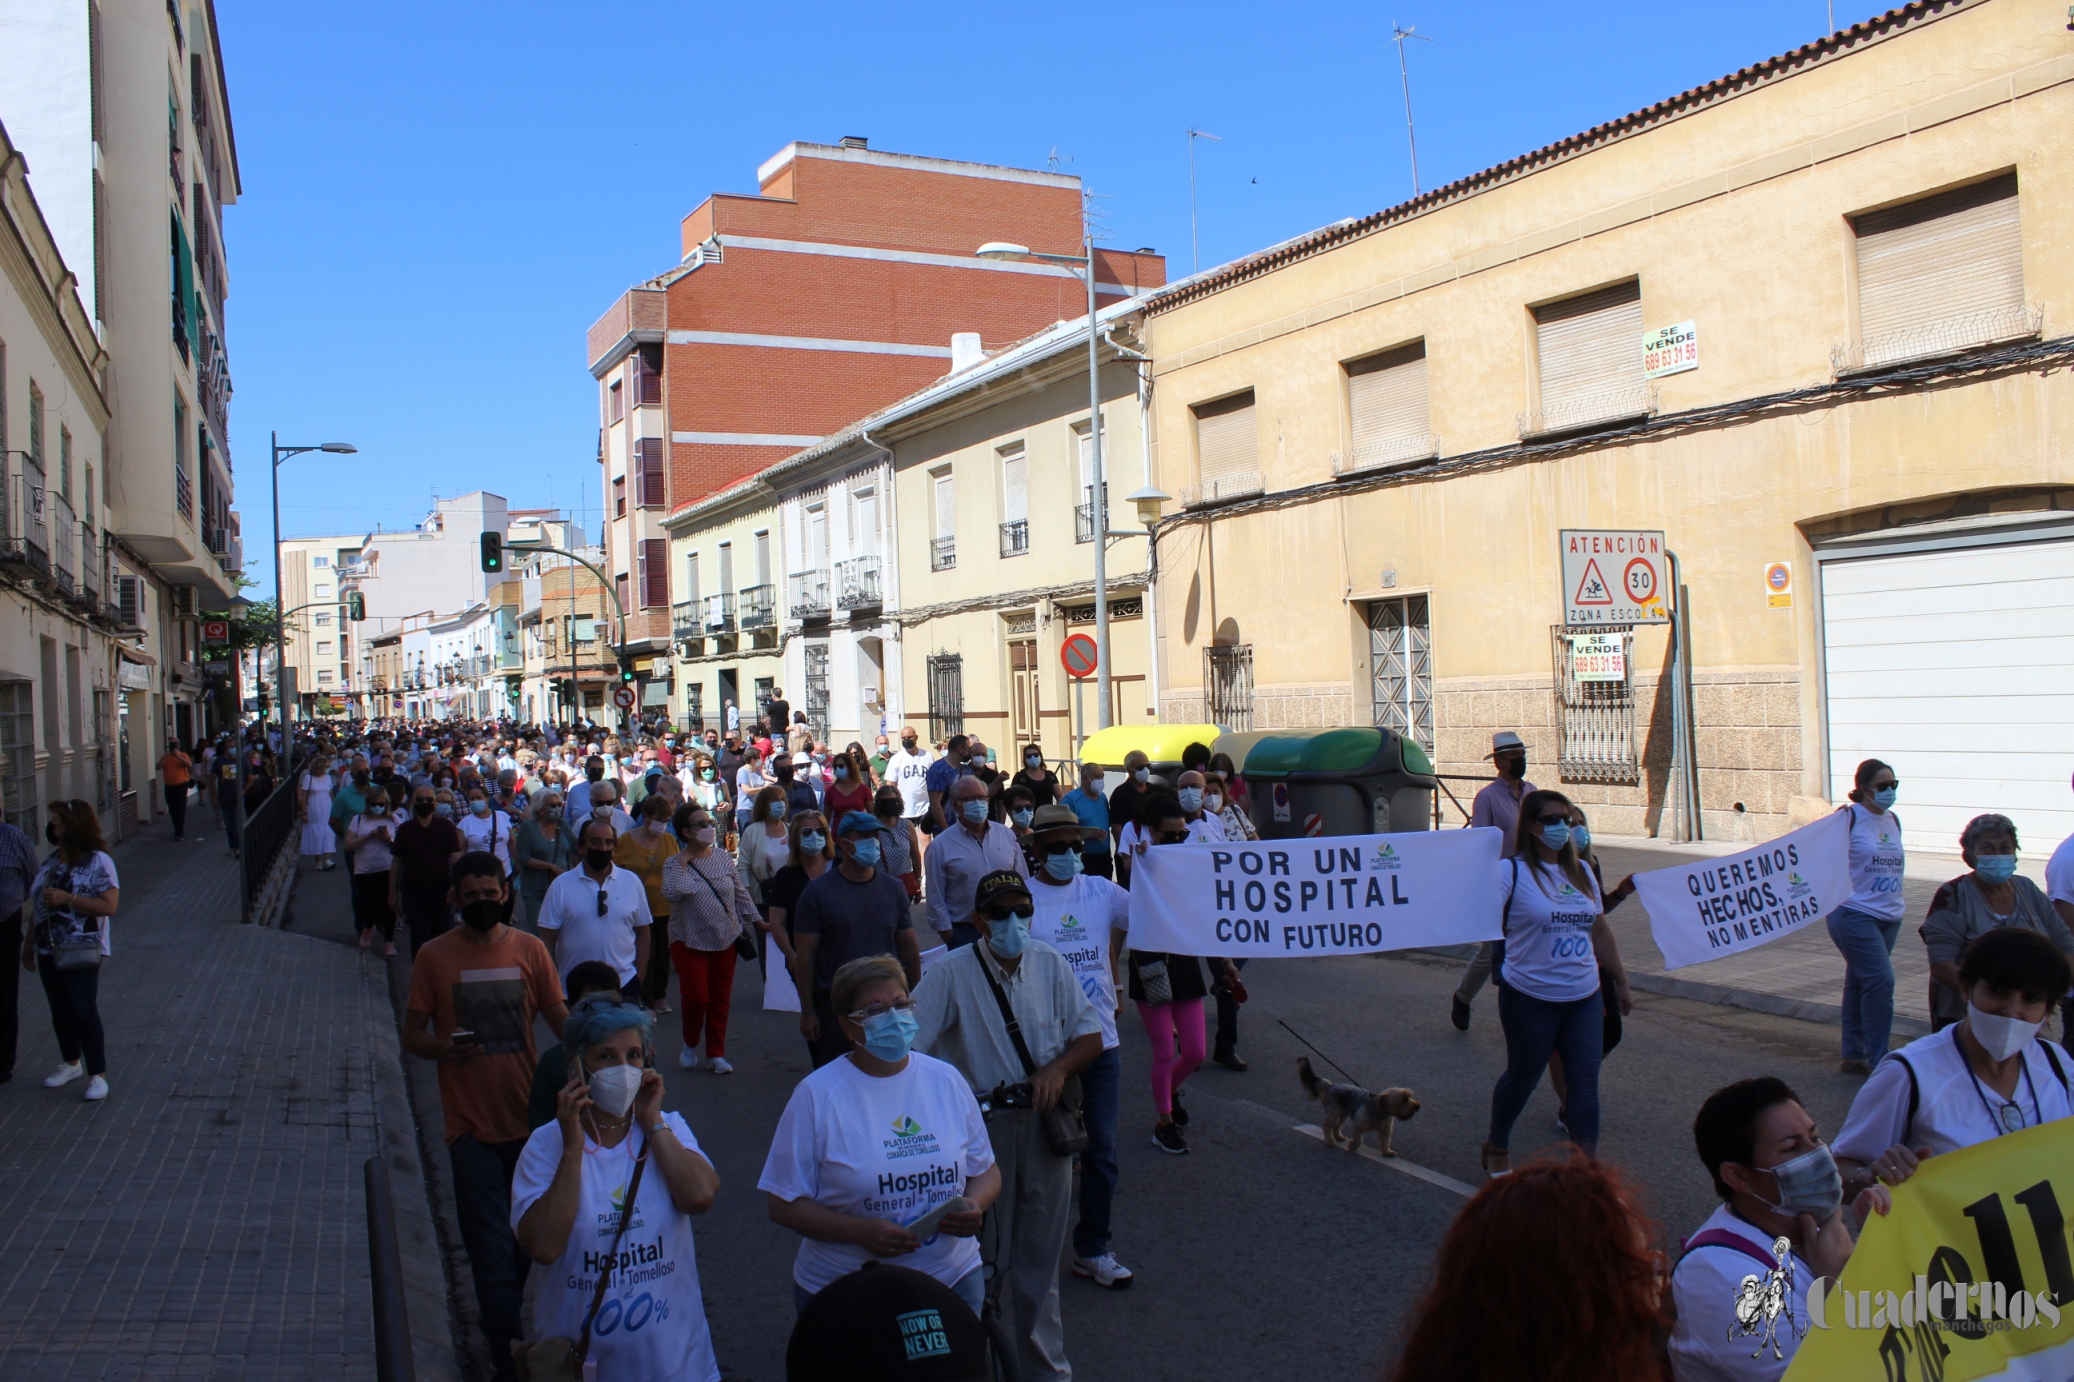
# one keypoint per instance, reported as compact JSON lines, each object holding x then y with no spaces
{"x":206,"y":1220}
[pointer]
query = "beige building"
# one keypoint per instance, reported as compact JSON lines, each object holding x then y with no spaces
{"x":321,"y":641}
{"x":729,"y":560}
{"x":1808,"y":321}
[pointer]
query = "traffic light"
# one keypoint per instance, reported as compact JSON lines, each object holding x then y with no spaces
{"x":356,"y":606}
{"x":493,"y":552}
{"x":626,"y":671}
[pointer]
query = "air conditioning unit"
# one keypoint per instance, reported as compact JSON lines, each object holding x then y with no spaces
{"x":870,"y":692}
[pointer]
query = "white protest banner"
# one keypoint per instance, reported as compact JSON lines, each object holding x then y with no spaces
{"x":1343,"y":895}
{"x":780,"y":994}
{"x":1724,"y":906}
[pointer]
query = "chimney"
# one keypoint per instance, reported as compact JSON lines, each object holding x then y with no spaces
{"x":855,"y":141}
{"x":966,"y":351}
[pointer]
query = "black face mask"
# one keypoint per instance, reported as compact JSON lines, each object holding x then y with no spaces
{"x":1516,"y":766}
{"x":481,"y":917}
{"x":422,"y":808}
{"x":598,"y":858}
{"x":360,"y":779}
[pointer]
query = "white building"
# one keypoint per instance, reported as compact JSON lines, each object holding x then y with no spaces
{"x":839,"y":602}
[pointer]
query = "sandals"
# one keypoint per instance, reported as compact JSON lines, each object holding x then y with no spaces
{"x":1498,"y":1155}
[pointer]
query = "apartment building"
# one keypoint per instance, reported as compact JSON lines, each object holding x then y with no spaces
{"x":122,"y":117}
{"x":830,"y":292}
{"x":567,"y":628}
{"x":1806,"y":321}
{"x":322,"y":651}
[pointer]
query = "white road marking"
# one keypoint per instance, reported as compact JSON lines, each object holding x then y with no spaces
{"x":1368,"y":1150}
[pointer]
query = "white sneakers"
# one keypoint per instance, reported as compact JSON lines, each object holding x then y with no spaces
{"x":65,"y":1074}
{"x":688,"y":1058}
{"x":1105,"y":1271}
{"x":96,"y":1089}
{"x":719,"y":1066}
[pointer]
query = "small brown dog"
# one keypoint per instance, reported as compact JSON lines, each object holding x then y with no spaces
{"x":1359,"y":1111}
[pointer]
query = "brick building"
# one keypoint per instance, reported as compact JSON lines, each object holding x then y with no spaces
{"x":832,"y":291}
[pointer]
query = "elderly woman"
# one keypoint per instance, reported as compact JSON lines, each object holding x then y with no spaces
{"x":1971,"y":905}
{"x":830,"y":1163}
{"x":615,"y":1179}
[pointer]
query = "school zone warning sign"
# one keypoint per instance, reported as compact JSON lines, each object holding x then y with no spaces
{"x":1614,"y":576}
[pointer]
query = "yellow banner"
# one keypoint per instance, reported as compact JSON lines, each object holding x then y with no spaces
{"x":1970,"y":1276}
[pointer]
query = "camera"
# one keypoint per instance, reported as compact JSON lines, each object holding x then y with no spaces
{"x":1005,"y":1096}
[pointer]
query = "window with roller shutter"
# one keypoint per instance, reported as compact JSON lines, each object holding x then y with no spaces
{"x":1940,"y":275}
{"x":1227,"y":450}
{"x":1015,"y":502}
{"x":648,"y":376}
{"x":1389,"y":423}
{"x":655,"y":572}
{"x":649,"y":476}
{"x":1589,"y":353}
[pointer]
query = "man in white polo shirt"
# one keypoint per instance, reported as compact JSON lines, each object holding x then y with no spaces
{"x":598,"y":911}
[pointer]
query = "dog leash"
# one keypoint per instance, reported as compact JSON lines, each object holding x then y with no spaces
{"x":1321,"y":1055}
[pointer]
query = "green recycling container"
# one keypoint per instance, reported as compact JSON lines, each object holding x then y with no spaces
{"x":1362,"y":780}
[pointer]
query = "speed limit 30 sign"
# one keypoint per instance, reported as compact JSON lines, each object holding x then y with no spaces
{"x":1615,"y":576}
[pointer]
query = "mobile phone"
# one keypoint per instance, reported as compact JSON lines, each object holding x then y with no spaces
{"x":925,"y":1227}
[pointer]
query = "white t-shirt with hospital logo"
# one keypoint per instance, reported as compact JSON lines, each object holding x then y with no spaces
{"x":1076,"y":919}
{"x":1548,"y":931}
{"x":890,"y":1147}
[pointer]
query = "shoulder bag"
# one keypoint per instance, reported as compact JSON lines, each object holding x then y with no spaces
{"x":561,"y":1360}
{"x":1065,"y":1128}
{"x":745,"y":944}
{"x":74,"y":952}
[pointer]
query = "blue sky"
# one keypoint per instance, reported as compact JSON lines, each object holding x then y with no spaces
{"x":441,"y":197}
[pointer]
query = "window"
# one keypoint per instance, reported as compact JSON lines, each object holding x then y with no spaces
{"x":323,"y":676}
{"x":762,"y":549}
{"x":35,"y":425}
{"x":943,"y":548}
{"x":615,"y":403}
{"x":1589,"y":350}
{"x":1084,"y":493}
{"x":727,"y":567}
{"x":324,"y":647}
{"x":816,"y":537}
{"x":648,"y":376}
{"x":65,"y":464}
{"x":1227,"y":449}
{"x":183,"y":480}
{"x":1228,"y":684}
{"x":1400,"y":664}
{"x":1387,"y":413}
{"x":655,"y":572}
{"x":1015,"y":501}
{"x":815,"y":657}
{"x":648,"y":472}
{"x":946,"y":695}
{"x":619,"y":497}
{"x":865,"y":516}
{"x":321,"y":591}
{"x":1939,"y":275}
{"x":691,"y":577}
{"x":323,"y":621}
{"x":320,"y":561}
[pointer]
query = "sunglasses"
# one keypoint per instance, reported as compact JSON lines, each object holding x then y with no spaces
{"x":1024,"y":912}
{"x":1557,"y":819}
{"x":1164,"y":839}
{"x":1063,"y":847}
{"x":601,"y":902}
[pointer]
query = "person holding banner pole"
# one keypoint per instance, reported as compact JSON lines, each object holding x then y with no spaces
{"x":1866,"y":926}
{"x":1985,"y":1078}
{"x":1169,"y":991}
{"x":1555,"y":939}
{"x":1497,"y":804}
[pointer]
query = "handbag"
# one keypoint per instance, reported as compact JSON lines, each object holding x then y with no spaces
{"x":561,"y":1360}
{"x":1065,"y":1127}
{"x":745,"y":945}
{"x":76,"y":952}
{"x":1152,"y":977}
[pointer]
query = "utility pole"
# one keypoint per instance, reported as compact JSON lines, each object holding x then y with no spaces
{"x":1194,"y":258}
{"x":1398,"y":34}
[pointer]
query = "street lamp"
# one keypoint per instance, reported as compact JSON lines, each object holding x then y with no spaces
{"x":1084,"y":265}
{"x":282,"y":453}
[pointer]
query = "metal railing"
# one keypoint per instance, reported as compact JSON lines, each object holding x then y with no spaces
{"x":758,"y":606}
{"x":24,"y":537}
{"x":720,"y":613}
{"x":1015,"y":537}
{"x":183,"y":489}
{"x":1380,"y":455}
{"x":392,"y":1347}
{"x":1084,"y":514}
{"x":1932,"y":339}
{"x":1590,"y":410}
{"x":64,"y":531}
{"x":1234,"y":486}
{"x":267,"y":832}
{"x":857,"y":583}
{"x":684,"y":621}
{"x":943,"y":553}
{"x":806,"y":593}
{"x":92,"y":567}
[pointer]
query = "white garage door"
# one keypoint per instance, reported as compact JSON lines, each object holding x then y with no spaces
{"x":1957,"y":667}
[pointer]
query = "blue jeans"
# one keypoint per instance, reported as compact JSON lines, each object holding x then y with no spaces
{"x":482,"y":1202}
{"x":971,"y":1288}
{"x":1867,"y":944}
{"x":1098,"y":1097}
{"x":1535,"y":1029}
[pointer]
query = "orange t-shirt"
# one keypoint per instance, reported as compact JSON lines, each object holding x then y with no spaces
{"x":494,"y":991}
{"x":178,"y":768}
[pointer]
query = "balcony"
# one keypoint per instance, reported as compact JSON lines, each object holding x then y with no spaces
{"x":759,"y":607}
{"x":806,"y":594}
{"x":92,"y":569}
{"x":1225,"y":487}
{"x":183,"y":489}
{"x":64,"y":531}
{"x":1385,"y":455}
{"x":1951,"y":336}
{"x":23,"y":537}
{"x":1589,"y":411}
{"x":684,"y":621}
{"x":720,"y":613}
{"x":1015,"y":538}
{"x":1084,"y":515}
{"x":857,"y":583}
{"x":943,"y":553}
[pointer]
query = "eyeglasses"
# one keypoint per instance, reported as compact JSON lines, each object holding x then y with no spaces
{"x":1024,"y":912}
{"x":1556,"y":819}
{"x":871,"y":1010}
{"x":1062,"y":847}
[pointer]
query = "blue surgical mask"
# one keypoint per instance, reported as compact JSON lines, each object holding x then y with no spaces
{"x":973,"y":811}
{"x":813,"y":841}
{"x":866,"y":851}
{"x":1063,"y":866}
{"x":1555,"y":836}
{"x":777,"y":811}
{"x":1884,"y":797}
{"x":444,"y":808}
{"x":1022,"y":817}
{"x":841,"y":772}
{"x":1007,"y":937}
{"x":889,"y":1035}
{"x":1191,"y":799}
{"x":1582,"y":838}
{"x":1996,"y":868}
{"x":480,"y":808}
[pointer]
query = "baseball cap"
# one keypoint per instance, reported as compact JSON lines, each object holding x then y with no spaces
{"x":883,"y":1323}
{"x":999,"y":884}
{"x":858,"y":823}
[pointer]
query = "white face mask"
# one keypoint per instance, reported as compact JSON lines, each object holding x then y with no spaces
{"x":2002,"y":1036}
{"x":613,"y":1089}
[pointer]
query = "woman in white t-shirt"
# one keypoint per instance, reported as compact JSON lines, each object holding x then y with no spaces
{"x":1984,"y":1077}
{"x":570,"y":1210}
{"x":872,"y":1142}
{"x":368,"y":839}
{"x":75,"y":893}
{"x":1556,"y":941}
{"x":1864,"y":928}
{"x":486,"y":828}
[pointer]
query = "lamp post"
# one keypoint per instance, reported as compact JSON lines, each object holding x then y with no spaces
{"x":1084,"y":265}
{"x":282,"y":453}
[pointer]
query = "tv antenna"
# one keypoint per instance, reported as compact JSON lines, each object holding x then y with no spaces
{"x":1194,"y":258}
{"x":1398,"y":34}
{"x":1055,"y":158}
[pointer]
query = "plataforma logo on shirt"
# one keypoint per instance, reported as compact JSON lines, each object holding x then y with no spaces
{"x":910,"y":1139}
{"x":1068,"y":924}
{"x":608,"y":1222}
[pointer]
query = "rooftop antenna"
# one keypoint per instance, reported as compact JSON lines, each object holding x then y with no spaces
{"x":1055,"y":158}
{"x":1398,"y":34}
{"x":1194,"y":258}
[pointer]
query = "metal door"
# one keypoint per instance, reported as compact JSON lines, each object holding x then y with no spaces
{"x":1400,"y":664}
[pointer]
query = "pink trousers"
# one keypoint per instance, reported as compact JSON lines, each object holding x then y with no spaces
{"x":1171,"y":1025}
